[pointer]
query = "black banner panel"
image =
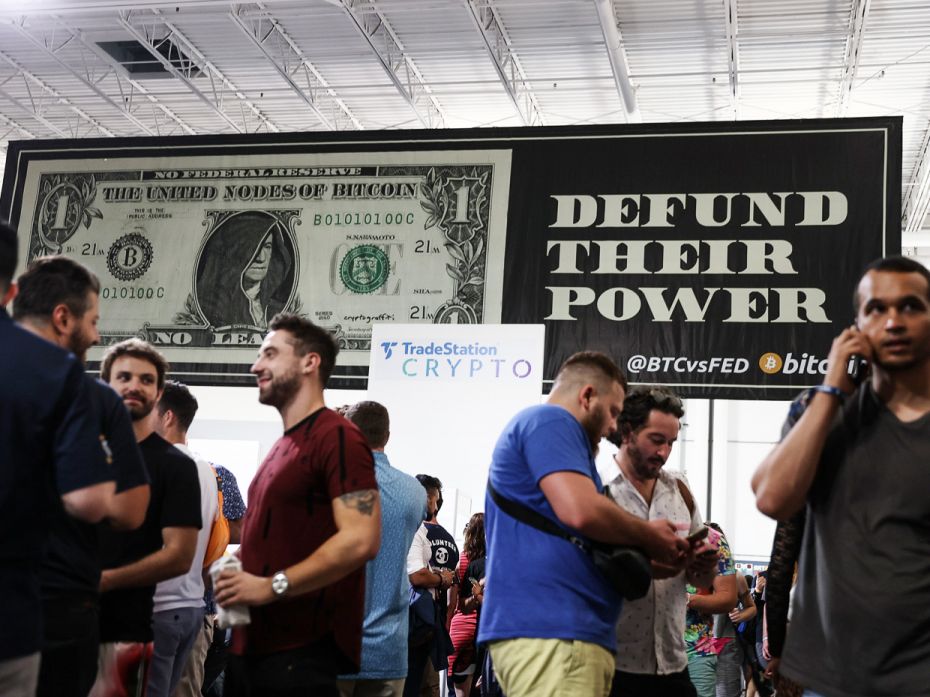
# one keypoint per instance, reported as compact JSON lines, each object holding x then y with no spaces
{"x":719,"y":259}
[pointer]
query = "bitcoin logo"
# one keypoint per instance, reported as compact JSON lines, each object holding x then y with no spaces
{"x":129,"y":257}
{"x":770,"y":363}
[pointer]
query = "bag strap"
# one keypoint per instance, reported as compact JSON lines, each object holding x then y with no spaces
{"x":686,"y":495}
{"x":533,"y":518}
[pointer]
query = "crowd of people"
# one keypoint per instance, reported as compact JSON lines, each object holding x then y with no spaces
{"x":110,"y":525}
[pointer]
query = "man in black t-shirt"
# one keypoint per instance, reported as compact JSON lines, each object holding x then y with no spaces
{"x":164,"y":546}
{"x":445,"y":555}
{"x":58,"y":301}
{"x":854,"y":460}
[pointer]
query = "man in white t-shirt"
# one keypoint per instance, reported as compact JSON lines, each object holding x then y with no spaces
{"x":178,"y":612}
{"x":651,"y":658}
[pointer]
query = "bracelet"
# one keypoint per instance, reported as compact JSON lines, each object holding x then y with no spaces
{"x":830,"y":390}
{"x":440,"y":579}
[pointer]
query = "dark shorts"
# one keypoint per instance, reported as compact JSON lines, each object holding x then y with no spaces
{"x":309,"y":670}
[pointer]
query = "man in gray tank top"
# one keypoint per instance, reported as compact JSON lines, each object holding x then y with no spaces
{"x":859,"y":460}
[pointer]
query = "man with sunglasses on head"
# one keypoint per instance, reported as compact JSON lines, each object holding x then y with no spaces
{"x":651,"y":657}
{"x":856,"y":460}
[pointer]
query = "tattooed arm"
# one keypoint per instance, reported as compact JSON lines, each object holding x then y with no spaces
{"x":357,"y":515}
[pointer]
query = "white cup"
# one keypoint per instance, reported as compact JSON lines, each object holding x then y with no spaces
{"x":236,"y":615}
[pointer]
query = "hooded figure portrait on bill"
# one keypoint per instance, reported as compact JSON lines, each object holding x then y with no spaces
{"x":246,"y":273}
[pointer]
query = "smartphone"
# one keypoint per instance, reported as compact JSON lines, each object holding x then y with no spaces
{"x":698,"y":535}
{"x":857,"y":367}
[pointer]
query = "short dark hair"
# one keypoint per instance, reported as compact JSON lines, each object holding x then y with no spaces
{"x":53,"y":281}
{"x":639,"y":403}
{"x":590,"y":366}
{"x":308,"y":338}
{"x":135,"y":348}
{"x":894,"y":264}
{"x":9,"y":254}
{"x":372,"y":420}
{"x":177,"y":398}
{"x":429,"y":482}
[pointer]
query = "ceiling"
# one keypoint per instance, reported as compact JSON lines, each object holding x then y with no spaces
{"x":204,"y":66}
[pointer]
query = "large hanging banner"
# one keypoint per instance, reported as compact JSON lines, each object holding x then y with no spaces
{"x":716,"y":258}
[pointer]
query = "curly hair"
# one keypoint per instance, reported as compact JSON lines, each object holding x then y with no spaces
{"x":474,"y":546}
{"x":639,"y":403}
{"x":135,"y":348}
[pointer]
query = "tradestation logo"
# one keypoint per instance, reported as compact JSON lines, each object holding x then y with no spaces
{"x":447,"y":348}
{"x":450,"y":359}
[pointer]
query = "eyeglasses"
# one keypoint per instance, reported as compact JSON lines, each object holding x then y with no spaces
{"x":665,"y":399}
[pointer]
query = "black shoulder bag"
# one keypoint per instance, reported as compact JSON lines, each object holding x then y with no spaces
{"x":626,"y":569}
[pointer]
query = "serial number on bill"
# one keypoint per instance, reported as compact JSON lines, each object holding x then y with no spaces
{"x":132,"y":292}
{"x":399,"y":218}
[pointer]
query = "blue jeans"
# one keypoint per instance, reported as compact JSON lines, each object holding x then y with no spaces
{"x":175,"y":632}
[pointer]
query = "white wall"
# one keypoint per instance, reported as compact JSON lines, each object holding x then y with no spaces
{"x":234,"y":430}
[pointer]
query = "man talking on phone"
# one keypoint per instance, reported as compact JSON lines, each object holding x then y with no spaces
{"x":858,"y":459}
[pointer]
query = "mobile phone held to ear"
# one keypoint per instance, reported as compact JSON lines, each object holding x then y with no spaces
{"x":857,"y":367}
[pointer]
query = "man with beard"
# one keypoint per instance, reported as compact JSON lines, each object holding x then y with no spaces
{"x":314,"y":519}
{"x":548,"y":613}
{"x":857,"y":459}
{"x":651,"y":657}
{"x":58,"y":301}
{"x":164,"y":546}
{"x":50,"y":457}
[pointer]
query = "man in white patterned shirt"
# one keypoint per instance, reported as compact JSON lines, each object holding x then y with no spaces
{"x":651,"y":657}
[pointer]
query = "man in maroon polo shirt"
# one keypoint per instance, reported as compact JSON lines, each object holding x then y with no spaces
{"x":314,"y":518}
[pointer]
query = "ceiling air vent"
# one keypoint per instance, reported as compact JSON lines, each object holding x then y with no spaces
{"x":139,"y":62}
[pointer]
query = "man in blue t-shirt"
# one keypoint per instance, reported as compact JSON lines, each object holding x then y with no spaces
{"x":548,"y":614}
{"x":403,"y":506}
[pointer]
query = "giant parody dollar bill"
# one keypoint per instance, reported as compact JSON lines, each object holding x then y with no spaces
{"x":197,"y":254}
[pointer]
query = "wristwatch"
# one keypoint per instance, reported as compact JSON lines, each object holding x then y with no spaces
{"x":280,"y":584}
